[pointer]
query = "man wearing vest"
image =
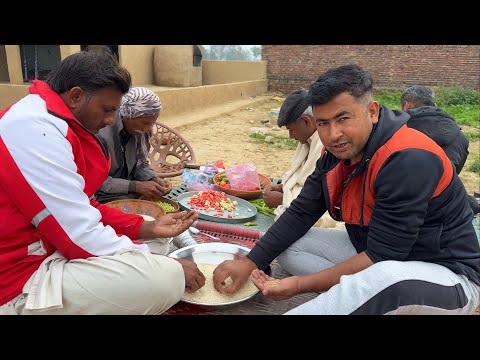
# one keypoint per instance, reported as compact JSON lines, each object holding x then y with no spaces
{"x":61,"y":252}
{"x":409,"y":246}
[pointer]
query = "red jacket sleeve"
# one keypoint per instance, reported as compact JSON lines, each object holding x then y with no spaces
{"x":122,"y":223}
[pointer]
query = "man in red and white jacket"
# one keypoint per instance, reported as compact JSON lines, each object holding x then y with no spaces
{"x":61,"y":252}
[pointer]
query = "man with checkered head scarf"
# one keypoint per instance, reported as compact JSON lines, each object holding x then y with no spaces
{"x":128,"y":142}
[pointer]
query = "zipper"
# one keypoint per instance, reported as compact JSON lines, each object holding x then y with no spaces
{"x":345,"y":184}
{"x":363,"y":191}
{"x":326,"y":195}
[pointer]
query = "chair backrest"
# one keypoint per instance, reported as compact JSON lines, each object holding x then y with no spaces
{"x":169,"y":152}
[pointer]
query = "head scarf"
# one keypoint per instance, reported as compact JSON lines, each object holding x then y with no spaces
{"x":139,"y":101}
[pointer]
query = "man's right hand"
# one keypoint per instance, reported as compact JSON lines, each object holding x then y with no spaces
{"x":237,"y":270}
{"x":194,"y":278}
{"x":149,"y":189}
{"x":277,"y":187}
{"x":273,"y":198}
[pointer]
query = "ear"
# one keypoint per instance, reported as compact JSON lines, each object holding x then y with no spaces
{"x":374,"y":111}
{"x":309,"y":121}
{"x":406,"y":105}
{"x":74,"y":97}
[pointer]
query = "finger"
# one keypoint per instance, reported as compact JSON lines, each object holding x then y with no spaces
{"x":265,"y":276}
{"x":256,"y":274}
{"x":157,"y":186}
{"x":189,"y":215}
{"x":219,"y":280}
{"x":156,"y":193}
{"x":189,"y":219}
{"x":200,"y":279}
{"x":201,"y":274}
{"x":233,"y":287}
{"x":183,"y":225}
{"x":178,"y":215}
{"x":258,"y":283}
{"x":166,"y":220}
{"x":190,"y":288}
{"x":192,"y":283}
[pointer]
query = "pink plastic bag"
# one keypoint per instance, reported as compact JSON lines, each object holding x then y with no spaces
{"x":201,"y":183}
{"x":243,"y":177}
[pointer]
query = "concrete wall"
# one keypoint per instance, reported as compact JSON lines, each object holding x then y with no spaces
{"x":183,"y":100}
{"x":14,"y":64}
{"x":396,"y":66}
{"x":234,"y":80}
{"x":223,"y":72}
{"x":10,"y":94}
{"x":175,"y":100}
{"x":138,"y":59}
{"x":67,"y":50}
{"x":173,"y":66}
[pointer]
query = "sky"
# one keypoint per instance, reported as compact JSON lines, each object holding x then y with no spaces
{"x":243,"y":46}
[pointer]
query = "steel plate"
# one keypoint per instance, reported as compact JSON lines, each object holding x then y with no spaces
{"x":212,"y":253}
{"x":245,"y":210}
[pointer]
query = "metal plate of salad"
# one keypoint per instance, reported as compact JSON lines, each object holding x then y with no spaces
{"x":217,"y":206}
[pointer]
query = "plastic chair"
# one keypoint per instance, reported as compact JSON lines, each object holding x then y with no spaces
{"x":169,"y":152}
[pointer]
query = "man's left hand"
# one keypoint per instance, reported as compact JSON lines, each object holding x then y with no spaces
{"x":274,"y":288}
{"x":165,"y":184}
{"x":168,"y":225}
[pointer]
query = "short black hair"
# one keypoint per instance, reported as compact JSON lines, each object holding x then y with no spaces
{"x":98,"y":48}
{"x":90,"y":70}
{"x":347,"y":78}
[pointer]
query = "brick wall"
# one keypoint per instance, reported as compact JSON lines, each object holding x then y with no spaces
{"x":392,"y":66}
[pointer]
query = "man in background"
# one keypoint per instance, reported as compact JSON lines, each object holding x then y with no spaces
{"x":128,"y":142}
{"x":296,"y":115}
{"x":419,"y":102}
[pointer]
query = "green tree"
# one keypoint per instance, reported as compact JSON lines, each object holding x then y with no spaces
{"x":204,"y":50}
{"x":229,"y":52}
{"x":256,"y":53}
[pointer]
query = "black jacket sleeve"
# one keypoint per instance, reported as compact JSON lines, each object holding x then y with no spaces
{"x":297,"y":219}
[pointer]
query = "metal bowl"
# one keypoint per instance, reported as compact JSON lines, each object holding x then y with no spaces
{"x":212,"y":253}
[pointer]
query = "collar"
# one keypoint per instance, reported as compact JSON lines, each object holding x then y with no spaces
{"x":54,"y":102}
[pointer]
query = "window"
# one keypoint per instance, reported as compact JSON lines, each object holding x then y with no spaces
{"x":39,"y":60}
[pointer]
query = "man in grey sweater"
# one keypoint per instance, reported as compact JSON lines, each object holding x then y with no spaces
{"x":128,"y":142}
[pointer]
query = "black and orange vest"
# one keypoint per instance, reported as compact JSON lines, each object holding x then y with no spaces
{"x":358,"y":195}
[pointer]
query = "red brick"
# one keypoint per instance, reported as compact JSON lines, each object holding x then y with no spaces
{"x":393,"y":66}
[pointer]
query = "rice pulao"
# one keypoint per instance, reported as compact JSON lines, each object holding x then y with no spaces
{"x":209,"y":295}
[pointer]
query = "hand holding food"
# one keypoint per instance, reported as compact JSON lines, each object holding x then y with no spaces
{"x":274,"y":288}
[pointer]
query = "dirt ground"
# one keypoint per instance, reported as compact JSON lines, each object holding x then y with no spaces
{"x":227,"y":137}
